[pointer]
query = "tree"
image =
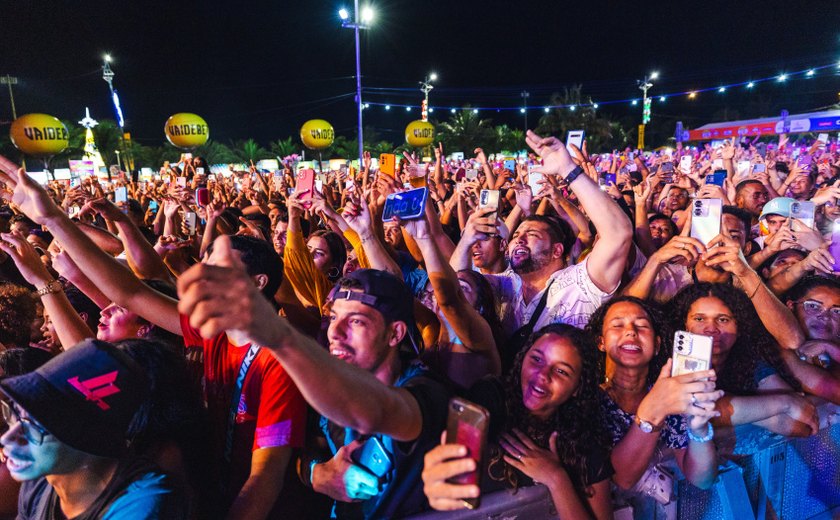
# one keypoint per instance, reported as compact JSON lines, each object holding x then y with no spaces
{"x":215,"y":152}
{"x":108,"y":137}
{"x":249,"y":150}
{"x":465,"y":131}
{"x":508,"y":139}
{"x":574,"y":113}
{"x":284,"y":147}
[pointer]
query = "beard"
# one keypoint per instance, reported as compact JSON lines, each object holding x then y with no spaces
{"x":533,"y":262}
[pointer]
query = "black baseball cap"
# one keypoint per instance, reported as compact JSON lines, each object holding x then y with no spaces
{"x":384,"y":292}
{"x":86,"y":397}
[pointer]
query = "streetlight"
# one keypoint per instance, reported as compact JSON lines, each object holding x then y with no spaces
{"x":426,"y":87}
{"x":524,"y":110}
{"x":108,"y":76}
{"x":362,"y":19}
{"x":644,"y":85}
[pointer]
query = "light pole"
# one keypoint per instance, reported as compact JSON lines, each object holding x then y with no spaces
{"x":108,"y":76}
{"x":525,"y":95}
{"x":9,"y":80}
{"x":426,"y":87}
{"x":644,"y":85}
{"x":361,"y":21}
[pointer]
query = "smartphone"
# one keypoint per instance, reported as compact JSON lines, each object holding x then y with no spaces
{"x":278,"y":179}
{"x":805,"y":161}
{"x":388,"y":164}
{"x":199,"y":171}
{"x":306,"y":181}
{"x":803,"y":211}
{"x":823,"y":138}
{"x":534,"y":179}
{"x":717,"y":164}
{"x":759,"y":168}
{"x":349,"y":185}
{"x":202,"y":196}
{"x":472,"y":174}
{"x":489,"y":199}
{"x":373,"y":458}
{"x":75,"y":181}
{"x":742,"y":168}
{"x":705,"y":219}
{"x":181,"y":181}
{"x":407,"y":205}
{"x":834,"y":247}
{"x":319,"y":185}
{"x":692,"y":353}
{"x":667,"y":167}
{"x":120,"y":195}
{"x":510,"y":165}
{"x":574,"y":137}
{"x":685,"y":164}
{"x":190,"y":217}
{"x":716,"y":178}
{"x":610,"y":178}
{"x":153,"y":205}
{"x":187,"y":155}
{"x":467,"y":424}
{"x":73,"y":212}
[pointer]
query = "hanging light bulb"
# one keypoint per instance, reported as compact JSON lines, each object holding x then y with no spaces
{"x":750,"y":84}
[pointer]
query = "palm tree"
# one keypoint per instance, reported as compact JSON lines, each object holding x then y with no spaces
{"x":576,"y":113}
{"x":215,"y":152}
{"x":284,"y":147}
{"x":249,"y":150}
{"x":465,"y":131}
{"x":508,"y":139}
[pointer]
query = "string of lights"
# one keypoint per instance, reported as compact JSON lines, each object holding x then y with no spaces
{"x":661,"y":98}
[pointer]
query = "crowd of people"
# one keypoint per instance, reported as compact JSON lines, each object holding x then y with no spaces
{"x":242,"y":346}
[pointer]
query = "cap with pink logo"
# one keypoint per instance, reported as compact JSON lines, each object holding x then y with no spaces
{"x":86,"y":397}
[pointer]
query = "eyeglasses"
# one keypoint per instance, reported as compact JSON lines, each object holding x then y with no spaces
{"x":33,"y":432}
{"x":815,"y":307}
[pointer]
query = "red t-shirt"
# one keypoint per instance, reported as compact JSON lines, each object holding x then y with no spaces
{"x":271,"y":413}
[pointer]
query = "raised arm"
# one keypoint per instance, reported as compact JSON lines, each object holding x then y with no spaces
{"x":470,"y":327}
{"x":221,"y":297}
{"x":606,"y":263}
{"x":116,"y":281}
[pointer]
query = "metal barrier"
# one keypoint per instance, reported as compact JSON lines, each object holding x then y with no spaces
{"x":771,"y":477}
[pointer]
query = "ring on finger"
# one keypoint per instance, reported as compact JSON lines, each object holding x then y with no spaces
{"x":693,"y":399}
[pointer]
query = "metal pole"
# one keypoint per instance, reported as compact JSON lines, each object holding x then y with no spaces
{"x":8,"y":80}
{"x":359,"y":83}
{"x":525,"y":95}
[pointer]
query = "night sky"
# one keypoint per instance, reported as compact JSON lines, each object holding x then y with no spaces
{"x":261,"y":69}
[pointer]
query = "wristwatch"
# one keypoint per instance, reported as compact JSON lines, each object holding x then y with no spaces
{"x":646,"y":426}
{"x":52,"y":287}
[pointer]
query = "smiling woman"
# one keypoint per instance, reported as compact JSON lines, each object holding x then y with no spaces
{"x":545,"y":427}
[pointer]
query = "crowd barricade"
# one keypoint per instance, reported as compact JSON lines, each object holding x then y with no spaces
{"x":768,"y":477}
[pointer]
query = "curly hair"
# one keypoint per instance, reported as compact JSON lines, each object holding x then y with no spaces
{"x":753,"y":343}
{"x":17,"y":312}
{"x":578,"y":421}
{"x":661,"y":326}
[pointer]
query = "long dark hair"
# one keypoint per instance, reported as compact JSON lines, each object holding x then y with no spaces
{"x":578,"y":421}
{"x":338,"y":252}
{"x":658,"y":321}
{"x":753,"y":343}
{"x":485,"y":303}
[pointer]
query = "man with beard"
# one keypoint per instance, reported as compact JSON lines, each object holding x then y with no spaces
{"x":538,"y":250}
{"x":481,"y":244}
{"x":751,"y":196}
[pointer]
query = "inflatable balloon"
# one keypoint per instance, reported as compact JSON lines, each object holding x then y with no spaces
{"x":39,"y":135}
{"x":317,"y":134}
{"x":419,"y":133}
{"x":186,"y":130}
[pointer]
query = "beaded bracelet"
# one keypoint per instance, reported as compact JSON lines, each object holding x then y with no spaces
{"x":710,"y":433}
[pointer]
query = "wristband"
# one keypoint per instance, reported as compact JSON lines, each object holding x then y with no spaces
{"x":574,"y":174}
{"x":52,"y":287}
{"x":710,"y":434}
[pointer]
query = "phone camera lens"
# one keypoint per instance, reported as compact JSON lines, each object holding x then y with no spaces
{"x":698,"y":203}
{"x":697,"y":213}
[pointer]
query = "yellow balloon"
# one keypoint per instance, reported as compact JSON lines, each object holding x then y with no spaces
{"x":186,"y":130}
{"x":317,"y":134}
{"x":419,"y":133}
{"x":39,"y":134}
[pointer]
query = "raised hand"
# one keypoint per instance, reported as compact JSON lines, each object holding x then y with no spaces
{"x":556,"y":159}
{"x":357,"y":215}
{"x":440,"y":465}
{"x":26,"y":259}
{"x":26,"y":194}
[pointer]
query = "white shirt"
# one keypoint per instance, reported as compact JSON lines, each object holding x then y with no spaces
{"x":668,"y":282}
{"x":572,"y":298}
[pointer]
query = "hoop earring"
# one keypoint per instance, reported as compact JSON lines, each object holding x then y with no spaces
{"x":330,"y":272}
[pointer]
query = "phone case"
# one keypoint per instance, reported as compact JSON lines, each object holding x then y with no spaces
{"x":467,"y":424}
{"x":692,"y":353}
{"x":388,"y":164}
{"x":533,"y":181}
{"x":834,"y":247}
{"x":373,"y":457}
{"x":190,"y":219}
{"x":705,"y":219}
{"x":306,"y":181}
{"x":803,"y":211}
{"x":406,"y":205}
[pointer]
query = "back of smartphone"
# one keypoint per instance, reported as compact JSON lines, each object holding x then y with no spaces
{"x":692,"y":353}
{"x":716,"y":178}
{"x":306,"y":183}
{"x":406,"y":205}
{"x":489,"y":199}
{"x":388,"y":164}
{"x":705,"y":219}
{"x":467,"y":425}
{"x":574,"y":137}
{"x":803,"y":211}
{"x":534,"y":179}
